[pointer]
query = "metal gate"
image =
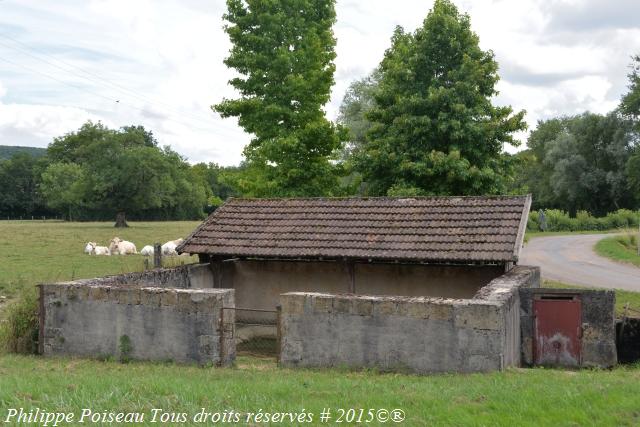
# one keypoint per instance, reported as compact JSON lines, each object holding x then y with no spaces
{"x":255,"y":331}
{"x":558,"y":330}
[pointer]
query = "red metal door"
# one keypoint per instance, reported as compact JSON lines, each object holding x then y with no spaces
{"x":557,"y":331}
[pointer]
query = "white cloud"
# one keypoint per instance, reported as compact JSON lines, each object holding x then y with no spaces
{"x":168,"y":55}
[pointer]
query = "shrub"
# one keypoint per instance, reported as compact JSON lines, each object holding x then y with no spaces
{"x":585,"y":221}
{"x":629,"y":241}
{"x":533,"y":223}
{"x":622,"y":218}
{"x":19,"y":332}
{"x":558,"y":220}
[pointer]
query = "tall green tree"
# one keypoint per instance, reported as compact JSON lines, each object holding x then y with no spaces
{"x":121,"y":171}
{"x":630,"y":104}
{"x":356,"y":104}
{"x":284,"y":51}
{"x":435,"y":129}
{"x":581,"y":163}
{"x":63,"y":187}
{"x":19,"y":178}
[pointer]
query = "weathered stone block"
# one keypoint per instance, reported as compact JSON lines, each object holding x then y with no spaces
{"x":151,"y":297}
{"x":322,"y":304}
{"x":425,"y":309}
{"x":342,"y":305}
{"x":384,"y":307}
{"x":362,"y":307}
{"x":169,"y":298}
{"x":184,"y":303}
{"x":98,"y":293}
{"x":292,"y":304}
{"x":478,"y":316}
{"x":119,"y":295}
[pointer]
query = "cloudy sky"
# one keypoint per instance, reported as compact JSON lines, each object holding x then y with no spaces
{"x":159,"y":62}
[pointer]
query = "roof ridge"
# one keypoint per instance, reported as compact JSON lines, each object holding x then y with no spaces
{"x":494,"y":196}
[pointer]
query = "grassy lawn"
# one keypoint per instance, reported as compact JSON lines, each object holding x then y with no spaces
{"x":514,"y":397}
{"x":622,"y":297}
{"x":533,"y":234}
{"x":37,"y":251}
{"x":622,"y":248}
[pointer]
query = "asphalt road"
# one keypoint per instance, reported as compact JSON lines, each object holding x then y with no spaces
{"x":571,"y":259}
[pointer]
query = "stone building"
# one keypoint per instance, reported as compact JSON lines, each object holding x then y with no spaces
{"x":424,"y":246}
{"x":424,"y":284}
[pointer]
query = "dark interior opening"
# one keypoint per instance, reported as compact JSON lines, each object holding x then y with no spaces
{"x":558,"y":297}
{"x":628,"y":340}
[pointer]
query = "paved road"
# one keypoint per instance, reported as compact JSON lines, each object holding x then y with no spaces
{"x":571,"y":259}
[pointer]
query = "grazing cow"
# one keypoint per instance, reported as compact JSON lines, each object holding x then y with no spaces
{"x":118,"y":246}
{"x":98,"y":250}
{"x":169,"y":248}
{"x":147,"y":251}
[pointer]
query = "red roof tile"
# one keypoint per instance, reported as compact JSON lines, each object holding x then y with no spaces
{"x":422,"y":229}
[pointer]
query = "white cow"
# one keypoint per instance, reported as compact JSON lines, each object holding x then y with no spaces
{"x":169,"y":248}
{"x":89,"y":248}
{"x":118,"y":246}
{"x":147,"y":251}
{"x":97,"y":250}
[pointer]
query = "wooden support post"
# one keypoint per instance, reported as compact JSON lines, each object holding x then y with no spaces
{"x":222,"y":331}
{"x":352,"y":277}
{"x":216,"y":270}
{"x":157,"y":255}
{"x":279,"y":332}
{"x":41,"y":320}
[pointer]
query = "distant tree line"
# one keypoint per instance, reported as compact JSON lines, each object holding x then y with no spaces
{"x":8,"y":151}
{"x":97,"y":173}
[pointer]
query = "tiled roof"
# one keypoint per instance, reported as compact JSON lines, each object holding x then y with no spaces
{"x":422,"y":229}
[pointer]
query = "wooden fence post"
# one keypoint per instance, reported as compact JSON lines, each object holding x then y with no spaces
{"x":157,"y":255}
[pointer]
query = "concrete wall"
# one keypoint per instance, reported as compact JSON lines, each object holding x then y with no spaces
{"x":187,"y":276}
{"x":598,"y":346}
{"x":415,"y":334}
{"x":505,"y":290}
{"x":258,"y":284}
{"x":161,"y":324}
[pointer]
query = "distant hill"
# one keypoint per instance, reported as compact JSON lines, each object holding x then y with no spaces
{"x":7,"y":151}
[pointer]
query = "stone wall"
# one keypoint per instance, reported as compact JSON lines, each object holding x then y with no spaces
{"x":186,"y":276}
{"x":415,"y":334}
{"x":135,"y":321}
{"x":598,"y":346}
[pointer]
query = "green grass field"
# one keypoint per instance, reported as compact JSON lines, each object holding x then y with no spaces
{"x":534,"y":234}
{"x":43,"y":252}
{"x":622,"y":248}
{"x":36,"y":251}
{"x":517,"y":397}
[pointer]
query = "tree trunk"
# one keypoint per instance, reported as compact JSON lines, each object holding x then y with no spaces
{"x":121,"y":220}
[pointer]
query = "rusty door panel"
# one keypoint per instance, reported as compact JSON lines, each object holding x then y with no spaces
{"x":557,"y":333}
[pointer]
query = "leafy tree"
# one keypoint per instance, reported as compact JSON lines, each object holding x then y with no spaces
{"x":63,"y":188}
{"x":74,"y":147}
{"x":212,"y":175}
{"x":581,"y":163}
{"x":356,"y":104}
{"x":18,"y":193}
{"x":123,"y":171}
{"x":435,"y":130}
{"x":633,"y":174}
{"x":284,"y":52}
{"x":631,"y":101}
